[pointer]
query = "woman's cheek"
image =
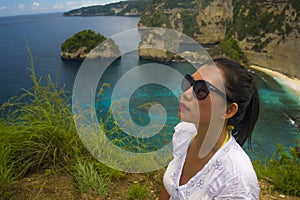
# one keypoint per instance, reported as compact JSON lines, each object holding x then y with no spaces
{"x":204,"y":111}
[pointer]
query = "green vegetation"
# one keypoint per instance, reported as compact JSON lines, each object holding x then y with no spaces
{"x":251,"y":20}
{"x":205,"y":3}
{"x":139,"y":5}
{"x":157,"y":18}
{"x":86,"y":39}
{"x":119,"y":8}
{"x":37,"y":133}
{"x":170,"y":4}
{"x":230,"y":48}
{"x":258,"y":47}
{"x":189,"y":20}
{"x":88,"y":179}
{"x":158,"y":14}
{"x":7,"y":169}
{"x":136,"y":191}
{"x":296,"y":5}
{"x":282,"y":170}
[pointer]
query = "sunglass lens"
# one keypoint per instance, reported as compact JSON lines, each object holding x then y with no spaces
{"x":187,"y":82}
{"x":200,"y":89}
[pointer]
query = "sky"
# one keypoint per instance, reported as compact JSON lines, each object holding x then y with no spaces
{"x":22,"y":7}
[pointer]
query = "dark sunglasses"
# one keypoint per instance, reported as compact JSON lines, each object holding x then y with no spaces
{"x":200,"y":88}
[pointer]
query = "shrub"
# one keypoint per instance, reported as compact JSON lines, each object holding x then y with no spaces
{"x":229,"y":47}
{"x":286,"y":171}
{"x":283,"y":171}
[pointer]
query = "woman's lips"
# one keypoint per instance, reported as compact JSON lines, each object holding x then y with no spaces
{"x":183,"y":107}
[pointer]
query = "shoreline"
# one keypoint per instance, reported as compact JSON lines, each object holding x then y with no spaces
{"x":290,"y":83}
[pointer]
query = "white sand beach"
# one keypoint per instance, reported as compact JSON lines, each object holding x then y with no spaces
{"x":292,"y":84}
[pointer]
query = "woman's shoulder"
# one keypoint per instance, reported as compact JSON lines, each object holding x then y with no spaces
{"x":183,"y":133}
{"x":239,"y":171}
{"x":239,"y":158}
{"x":236,"y":160}
{"x":185,"y":127}
{"x":232,"y":174}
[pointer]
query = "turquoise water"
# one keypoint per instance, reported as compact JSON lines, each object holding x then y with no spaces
{"x":273,"y":126}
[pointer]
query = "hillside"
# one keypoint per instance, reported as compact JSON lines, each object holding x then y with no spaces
{"x":269,"y":33}
{"x":263,"y":32}
{"x":122,"y":8}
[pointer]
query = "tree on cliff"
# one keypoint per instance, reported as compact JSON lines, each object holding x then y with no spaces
{"x":80,"y":44}
{"x":87,"y":39}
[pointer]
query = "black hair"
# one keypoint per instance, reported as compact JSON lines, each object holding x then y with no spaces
{"x":241,"y":88}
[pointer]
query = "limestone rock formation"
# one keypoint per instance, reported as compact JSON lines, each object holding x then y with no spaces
{"x":271,"y":37}
{"x":204,"y":22}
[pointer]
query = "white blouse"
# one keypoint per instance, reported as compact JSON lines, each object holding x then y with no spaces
{"x":229,"y":174}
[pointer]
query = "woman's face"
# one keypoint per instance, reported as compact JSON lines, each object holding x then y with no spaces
{"x":200,"y":111}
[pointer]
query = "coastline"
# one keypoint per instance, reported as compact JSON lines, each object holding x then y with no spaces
{"x":291,"y":83}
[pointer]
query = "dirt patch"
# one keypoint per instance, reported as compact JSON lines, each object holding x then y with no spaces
{"x":267,"y":192}
{"x":61,"y":187}
{"x":46,"y":187}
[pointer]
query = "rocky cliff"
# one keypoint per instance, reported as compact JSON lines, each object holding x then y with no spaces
{"x":268,"y":33}
{"x":203,"y":20}
{"x":265,"y":31}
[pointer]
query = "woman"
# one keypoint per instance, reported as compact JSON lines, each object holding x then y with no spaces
{"x":222,"y":170}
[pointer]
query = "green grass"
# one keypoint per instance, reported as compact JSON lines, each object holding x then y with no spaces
{"x":136,"y":191}
{"x":7,"y":168}
{"x":88,"y":179}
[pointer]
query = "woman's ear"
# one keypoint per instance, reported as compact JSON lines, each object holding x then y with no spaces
{"x":231,"y":110}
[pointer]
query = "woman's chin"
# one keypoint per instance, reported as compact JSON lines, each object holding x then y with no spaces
{"x":179,"y":115}
{"x":184,"y":117}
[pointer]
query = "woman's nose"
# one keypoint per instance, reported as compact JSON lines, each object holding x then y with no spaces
{"x":187,"y":95}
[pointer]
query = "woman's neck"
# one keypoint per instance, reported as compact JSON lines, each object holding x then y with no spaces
{"x":210,"y":139}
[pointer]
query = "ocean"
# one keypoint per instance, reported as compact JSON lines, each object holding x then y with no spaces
{"x":44,"y":34}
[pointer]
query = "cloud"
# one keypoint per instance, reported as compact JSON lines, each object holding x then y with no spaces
{"x":79,"y":4}
{"x":21,"y":6}
{"x":74,"y":4}
{"x":35,"y":5}
{"x":2,"y":8}
{"x":58,"y":6}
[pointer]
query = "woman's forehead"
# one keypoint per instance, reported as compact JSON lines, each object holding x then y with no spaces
{"x":209,"y":73}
